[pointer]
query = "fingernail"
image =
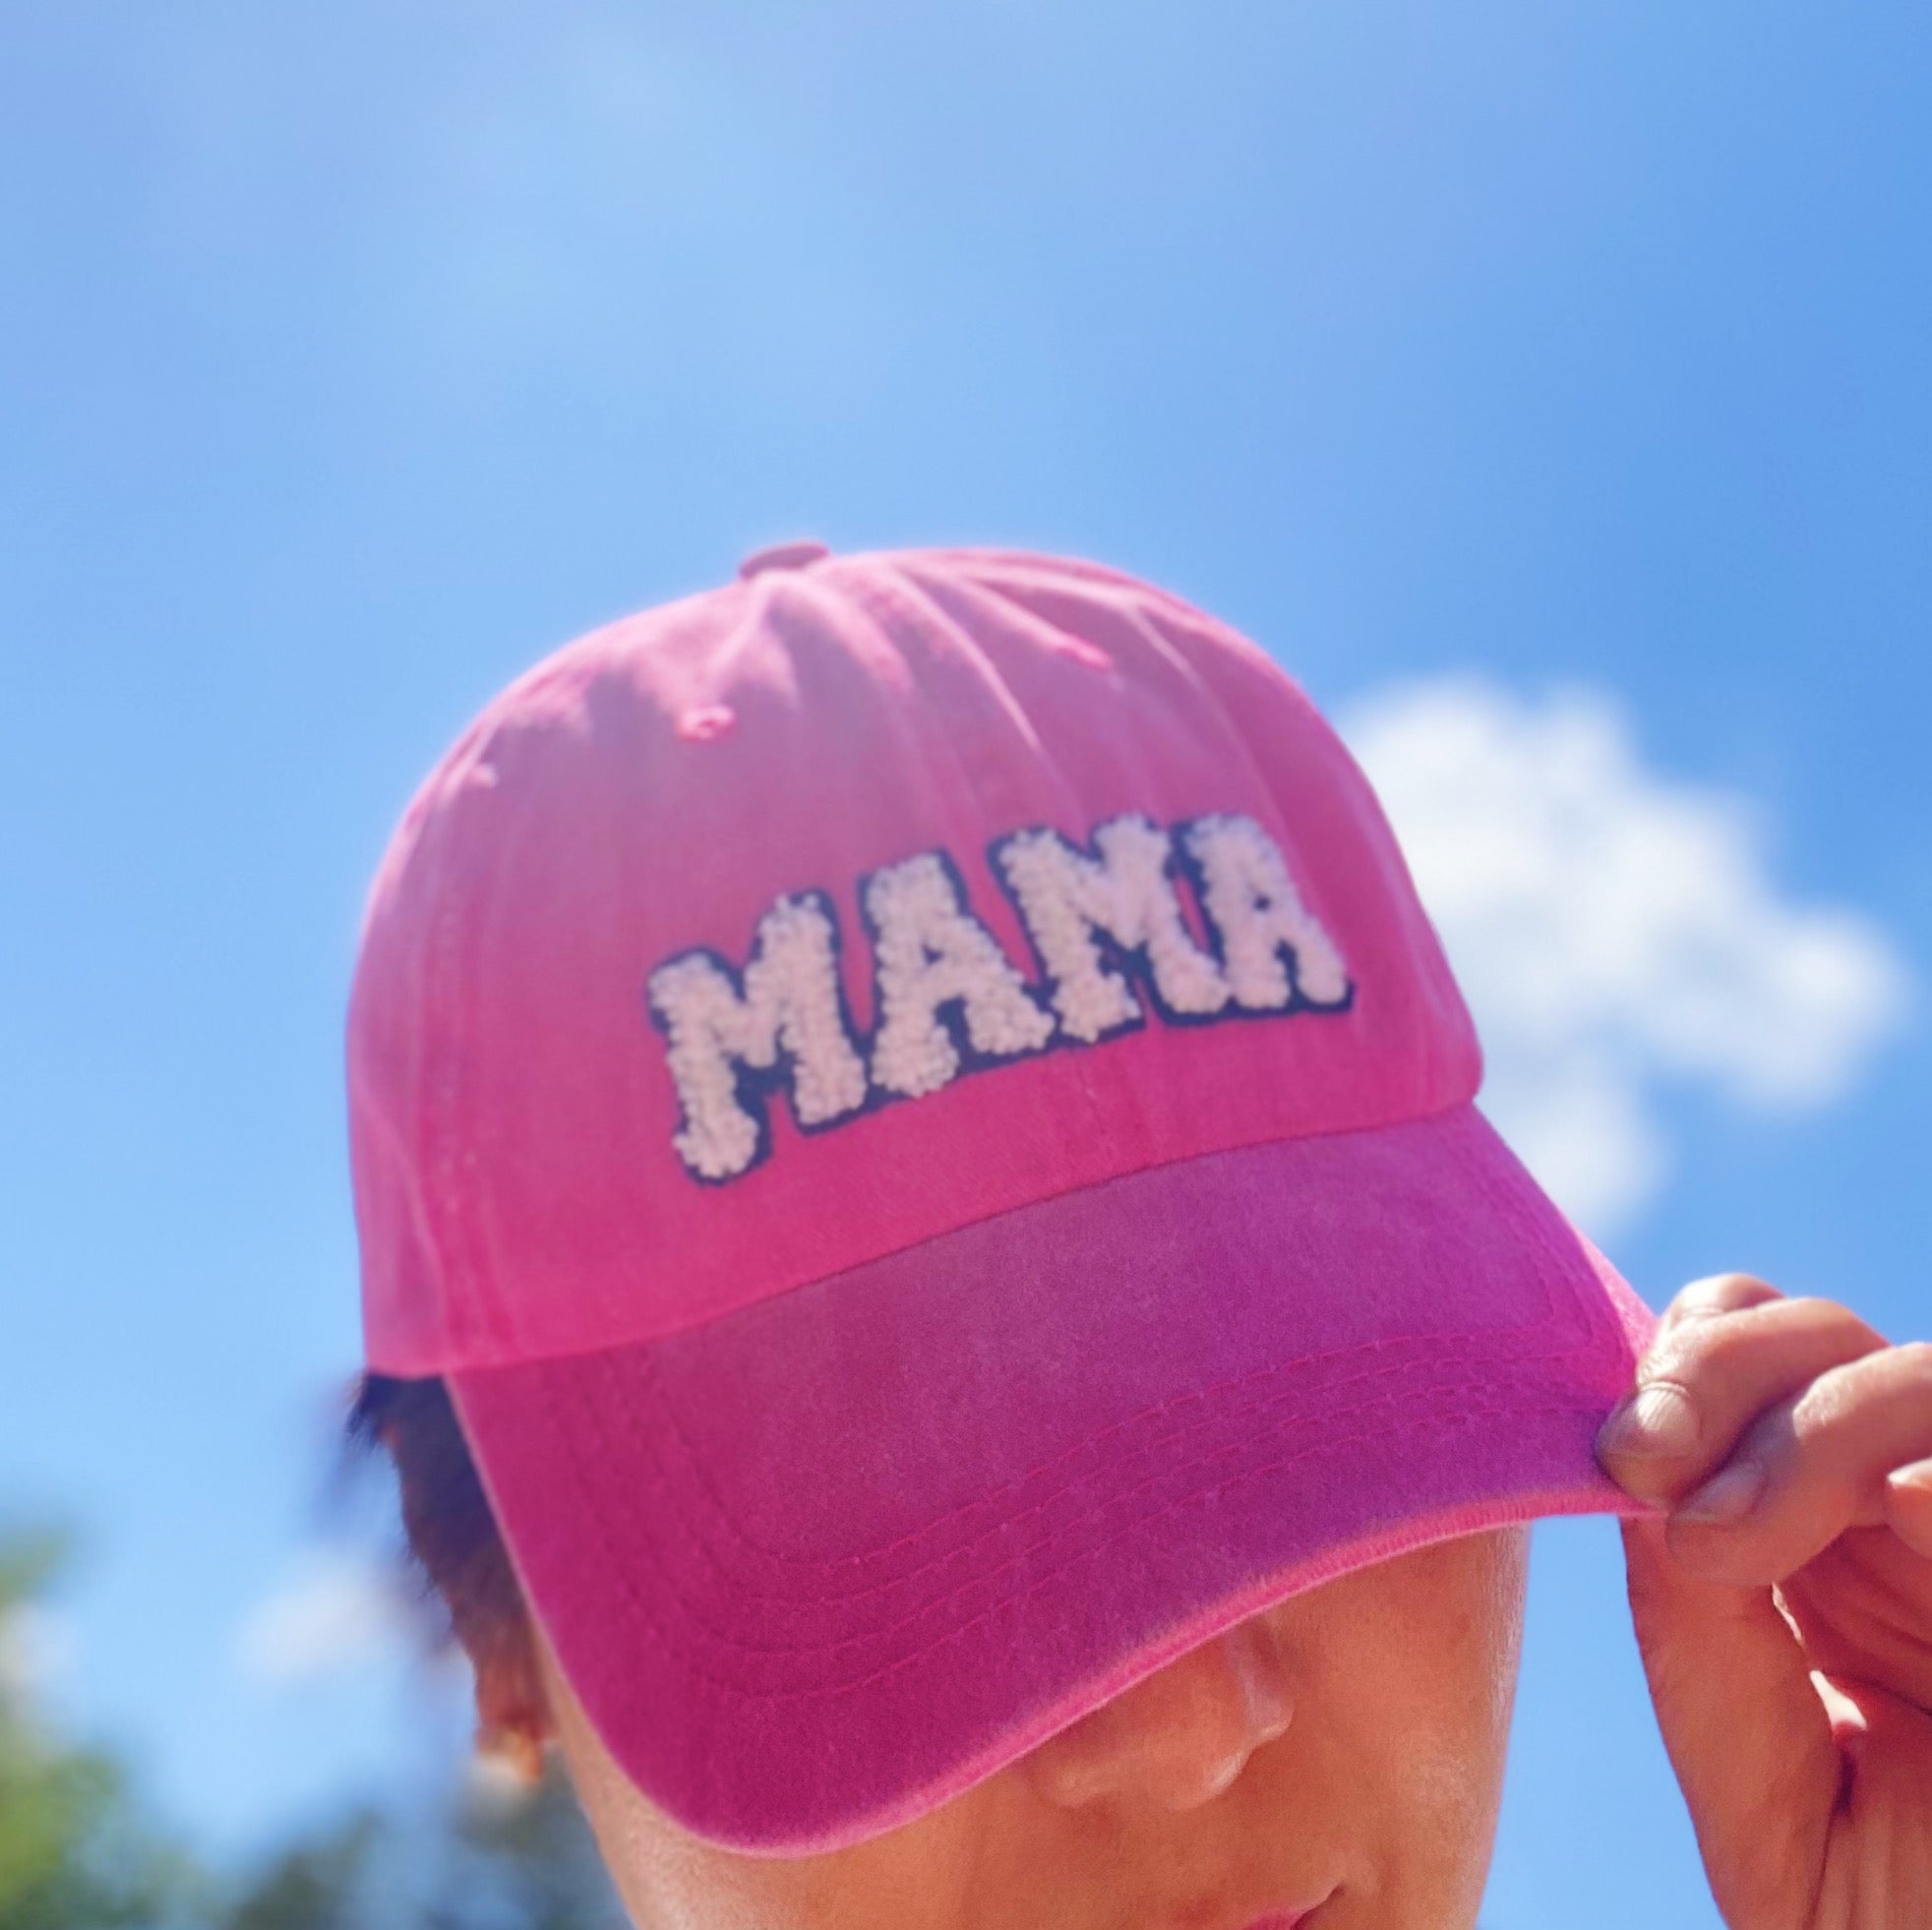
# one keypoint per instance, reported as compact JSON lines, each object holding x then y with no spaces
{"x":1917,"y":1478}
{"x":1908,"y":1503}
{"x":1657,"y":1423}
{"x":1725,"y":1498}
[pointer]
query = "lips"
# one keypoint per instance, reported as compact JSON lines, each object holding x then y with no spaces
{"x":1300,"y":1916}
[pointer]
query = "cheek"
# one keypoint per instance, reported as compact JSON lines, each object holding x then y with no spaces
{"x":669,"y":1879}
{"x":664,"y":1876}
{"x":1417,"y":1677}
{"x":919,"y":1876}
{"x":1387,"y":1778}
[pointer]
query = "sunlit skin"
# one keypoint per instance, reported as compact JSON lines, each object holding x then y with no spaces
{"x":1343,"y":1752}
{"x":1802,"y":1735}
{"x":1347,"y":1744}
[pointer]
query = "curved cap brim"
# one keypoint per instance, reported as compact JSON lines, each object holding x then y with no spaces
{"x":820,"y":1566}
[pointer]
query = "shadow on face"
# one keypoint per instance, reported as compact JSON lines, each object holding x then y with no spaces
{"x":1343,"y":1749}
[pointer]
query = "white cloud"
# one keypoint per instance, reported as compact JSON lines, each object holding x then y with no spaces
{"x":1615,"y":932}
{"x":332,"y":1614}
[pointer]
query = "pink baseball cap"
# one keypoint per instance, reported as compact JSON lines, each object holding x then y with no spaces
{"x":913,"y":1101}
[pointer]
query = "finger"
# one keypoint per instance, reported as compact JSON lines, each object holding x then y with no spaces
{"x":1744,"y":1726}
{"x":1717,"y":1293}
{"x":1708,"y":1376}
{"x":1908,"y":1506}
{"x":1808,"y":1470}
{"x":1863,"y":1610}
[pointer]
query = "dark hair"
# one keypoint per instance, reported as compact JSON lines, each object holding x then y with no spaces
{"x":450,"y":1530}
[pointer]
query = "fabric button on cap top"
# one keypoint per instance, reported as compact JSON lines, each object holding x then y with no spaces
{"x":782,"y":556}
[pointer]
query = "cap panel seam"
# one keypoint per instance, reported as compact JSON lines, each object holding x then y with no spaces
{"x":447,"y":1020}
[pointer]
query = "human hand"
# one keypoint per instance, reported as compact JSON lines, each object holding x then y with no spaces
{"x":1784,"y":1600}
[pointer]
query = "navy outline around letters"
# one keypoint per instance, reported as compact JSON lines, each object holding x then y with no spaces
{"x":755,"y":1087}
{"x":1132,"y":964}
{"x":1297,"y":1000}
{"x":951,"y":1013}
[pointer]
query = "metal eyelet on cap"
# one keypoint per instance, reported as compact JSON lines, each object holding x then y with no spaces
{"x":782,"y":556}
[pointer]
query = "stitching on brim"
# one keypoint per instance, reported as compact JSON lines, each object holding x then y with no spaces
{"x":682,"y":1654}
{"x":637,"y":1438}
{"x":646,"y":1522}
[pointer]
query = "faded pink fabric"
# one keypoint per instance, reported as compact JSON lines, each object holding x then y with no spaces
{"x":842,"y":1483}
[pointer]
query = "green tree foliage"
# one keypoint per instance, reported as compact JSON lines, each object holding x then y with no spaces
{"x":493,"y":1865}
{"x":75,"y":1853}
{"x":324,"y":1882}
{"x":72,"y":1854}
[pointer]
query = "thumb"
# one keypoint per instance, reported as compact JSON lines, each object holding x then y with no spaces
{"x":1746,"y":1730}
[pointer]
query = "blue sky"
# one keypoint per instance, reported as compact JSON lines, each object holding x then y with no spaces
{"x":354,"y":356}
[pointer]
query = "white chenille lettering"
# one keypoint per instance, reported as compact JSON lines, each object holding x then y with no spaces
{"x":1258,"y":914}
{"x":790,"y":1004}
{"x":1067,"y":898}
{"x":929,"y":951}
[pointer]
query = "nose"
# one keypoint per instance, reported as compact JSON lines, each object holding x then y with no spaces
{"x":1178,"y":1738}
